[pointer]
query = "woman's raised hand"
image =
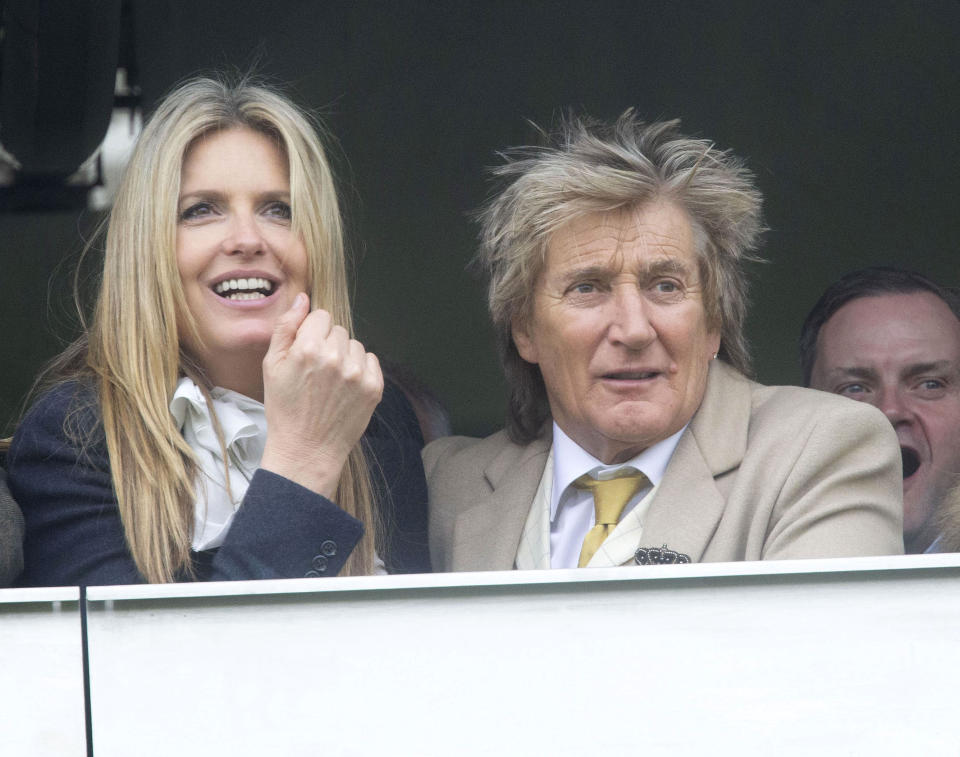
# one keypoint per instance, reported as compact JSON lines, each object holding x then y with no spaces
{"x":320,"y":388}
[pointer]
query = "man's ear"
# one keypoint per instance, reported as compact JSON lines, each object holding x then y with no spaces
{"x":714,"y":342}
{"x":522,"y":339}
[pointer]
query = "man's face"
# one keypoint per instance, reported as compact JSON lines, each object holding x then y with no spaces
{"x":619,"y":329}
{"x":901,"y":353}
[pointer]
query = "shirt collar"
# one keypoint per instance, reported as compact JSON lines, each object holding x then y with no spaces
{"x":570,"y":461}
{"x":242,"y":419}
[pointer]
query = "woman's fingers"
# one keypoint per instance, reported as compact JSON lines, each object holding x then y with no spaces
{"x":373,"y":373}
{"x":285,"y":329}
{"x":320,"y":389}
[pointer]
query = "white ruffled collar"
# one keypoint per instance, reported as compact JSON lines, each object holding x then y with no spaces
{"x":244,"y":426}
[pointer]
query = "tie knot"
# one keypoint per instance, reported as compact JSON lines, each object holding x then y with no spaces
{"x":611,"y":495}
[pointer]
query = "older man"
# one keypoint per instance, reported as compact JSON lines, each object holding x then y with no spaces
{"x":891,"y":338}
{"x":615,"y":260}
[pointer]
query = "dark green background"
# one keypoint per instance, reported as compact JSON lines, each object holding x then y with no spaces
{"x":847,"y":112}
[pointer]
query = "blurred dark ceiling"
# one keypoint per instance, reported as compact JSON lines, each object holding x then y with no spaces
{"x":846,"y":111}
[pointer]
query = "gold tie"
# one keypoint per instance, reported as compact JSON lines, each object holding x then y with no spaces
{"x":609,"y":499}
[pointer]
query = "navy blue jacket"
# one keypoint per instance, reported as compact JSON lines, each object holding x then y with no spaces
{"x":11,"y":534}
{"x":281,"y":530}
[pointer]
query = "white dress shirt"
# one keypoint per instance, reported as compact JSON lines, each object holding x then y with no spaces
{"x":572,"y":513}
{"x":244,"y":426}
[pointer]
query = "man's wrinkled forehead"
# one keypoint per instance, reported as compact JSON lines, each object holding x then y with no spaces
{"x":901,"y":332}
{"x":603,"y":238}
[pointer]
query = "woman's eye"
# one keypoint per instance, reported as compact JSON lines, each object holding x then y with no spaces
{"x":196,"y":211}
{"x":583,"y":287}
{"x":932,"y":385}
{"x":279,"y":210}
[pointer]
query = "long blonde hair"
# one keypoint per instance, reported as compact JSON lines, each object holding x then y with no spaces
{"x":133,"y":350}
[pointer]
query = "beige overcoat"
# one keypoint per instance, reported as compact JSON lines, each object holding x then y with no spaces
{"x":761,"y":473}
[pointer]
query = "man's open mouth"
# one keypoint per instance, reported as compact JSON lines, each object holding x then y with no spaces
{"x":253,"y":288}
{"x":911,"y":461}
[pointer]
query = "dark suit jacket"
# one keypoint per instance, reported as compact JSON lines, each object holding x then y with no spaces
{"x":282,"y":530}
{"x":761,"y":473}
{"x":393,"y":442}
{"x":11,"y":535}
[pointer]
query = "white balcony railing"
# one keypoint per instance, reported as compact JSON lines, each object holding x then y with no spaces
{"x":848,"y":657}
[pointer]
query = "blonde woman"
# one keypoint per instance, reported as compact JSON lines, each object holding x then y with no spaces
{"x":208,"y":424}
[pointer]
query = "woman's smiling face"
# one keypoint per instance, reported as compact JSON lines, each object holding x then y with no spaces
{"x":241,"y":263}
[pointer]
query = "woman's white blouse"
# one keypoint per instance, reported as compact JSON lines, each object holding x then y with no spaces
{"x":244,"y":426}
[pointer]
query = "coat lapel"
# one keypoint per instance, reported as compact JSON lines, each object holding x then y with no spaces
{"x":487,"y":534}
{"x":683,"y":513}
{"x":687,"y":506}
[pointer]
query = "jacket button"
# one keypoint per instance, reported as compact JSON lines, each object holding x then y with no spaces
{"x":311,"y":574}
{"x":329,"y":548}
{"x":320,"y":563}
